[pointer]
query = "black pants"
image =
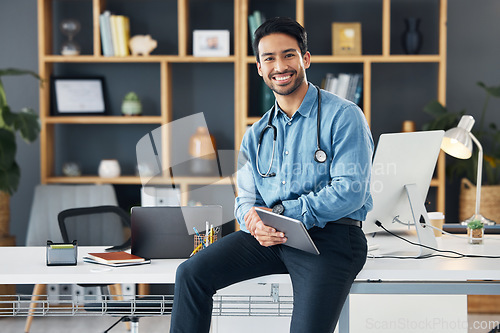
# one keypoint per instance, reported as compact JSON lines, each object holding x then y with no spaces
{"x":320,"y":283}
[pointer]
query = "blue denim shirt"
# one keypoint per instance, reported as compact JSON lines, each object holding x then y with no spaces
{"x":314,"y":193}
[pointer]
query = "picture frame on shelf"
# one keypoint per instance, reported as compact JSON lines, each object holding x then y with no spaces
{"x":73,"y":96}
{"x":346,"y":38}
{"x":211,"y":43}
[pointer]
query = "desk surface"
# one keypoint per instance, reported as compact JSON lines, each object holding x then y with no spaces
{"x":26,"y":265}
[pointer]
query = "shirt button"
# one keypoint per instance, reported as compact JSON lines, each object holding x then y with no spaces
{"x":289,"y":123}
{"x":286,"y":152}
{"x":283,"y":182}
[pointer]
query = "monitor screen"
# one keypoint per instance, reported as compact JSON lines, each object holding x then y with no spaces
{"x":401,"y":159}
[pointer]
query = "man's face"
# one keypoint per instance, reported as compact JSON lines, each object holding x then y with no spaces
{"x":281,"y":65}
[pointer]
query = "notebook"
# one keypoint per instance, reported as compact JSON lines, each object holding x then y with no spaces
{"x":167,"y":232}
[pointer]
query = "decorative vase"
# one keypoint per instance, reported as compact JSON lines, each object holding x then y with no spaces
{"x":202,"y":149}
{"x":109,"y":169}
{"x":412,"y":37}
{"x":408,"y":126}
{"x":475,"y":236}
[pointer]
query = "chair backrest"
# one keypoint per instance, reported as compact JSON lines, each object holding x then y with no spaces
{"x":49,"y":200}
{"x":91,"y":226}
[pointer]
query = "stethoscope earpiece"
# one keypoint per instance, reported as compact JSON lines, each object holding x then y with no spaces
{"x":319,"y":155}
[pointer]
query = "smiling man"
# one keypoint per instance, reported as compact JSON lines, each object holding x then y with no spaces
{"x":308,"y":158}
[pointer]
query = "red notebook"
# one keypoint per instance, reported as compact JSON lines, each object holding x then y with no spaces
{"x":115,"y":257}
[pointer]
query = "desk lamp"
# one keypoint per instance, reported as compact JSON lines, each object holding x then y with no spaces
{"x":457,"y":142}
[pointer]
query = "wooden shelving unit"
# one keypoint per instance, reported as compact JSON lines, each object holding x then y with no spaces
{"x":239,"y":58}
{"x":366,"y":61}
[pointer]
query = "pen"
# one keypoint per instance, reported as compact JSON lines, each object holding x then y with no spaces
{"x":199,"y":236}
{"x":211,"y":234}
{"x":196,"y":250}
{"x":206,"y":233}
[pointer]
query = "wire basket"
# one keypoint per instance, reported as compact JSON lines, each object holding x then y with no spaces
{"x":202,"y":240}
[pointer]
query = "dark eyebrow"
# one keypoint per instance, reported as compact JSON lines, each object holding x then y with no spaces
{"x":263,"y":55}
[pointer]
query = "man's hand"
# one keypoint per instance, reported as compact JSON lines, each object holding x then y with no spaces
{"x":265,"y":235}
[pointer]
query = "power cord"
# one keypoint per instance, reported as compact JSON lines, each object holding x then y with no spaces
{"x":455,"y":253}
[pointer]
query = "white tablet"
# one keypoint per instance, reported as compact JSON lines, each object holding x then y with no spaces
{"x":295,"y":232}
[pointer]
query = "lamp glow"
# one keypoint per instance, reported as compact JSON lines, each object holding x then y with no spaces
{"x":457,"y":142}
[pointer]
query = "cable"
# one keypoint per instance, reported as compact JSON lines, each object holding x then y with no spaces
{"x":457,"y":254}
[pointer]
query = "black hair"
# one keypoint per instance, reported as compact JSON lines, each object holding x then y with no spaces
{"x":283,"y":25}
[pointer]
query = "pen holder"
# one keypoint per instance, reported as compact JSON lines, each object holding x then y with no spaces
{"x":61,"y":254}
{"x":199,"y":240}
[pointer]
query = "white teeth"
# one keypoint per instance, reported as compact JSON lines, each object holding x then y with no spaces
{"x":282,"y":78}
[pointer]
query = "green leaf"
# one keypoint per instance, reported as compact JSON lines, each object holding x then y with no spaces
{"x":493,"y":91}
{"x":7,"y":148}
{"x":435,"y":109}
{"x":27,"y":123}
{"x":9,"y":178}
{"x":7,"y":116}
{"x":16,"y":71}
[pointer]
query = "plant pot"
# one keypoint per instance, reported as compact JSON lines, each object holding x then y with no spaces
{"x":490,"y":197}
{"x":131,"y":108}
{"x":475,"y":236}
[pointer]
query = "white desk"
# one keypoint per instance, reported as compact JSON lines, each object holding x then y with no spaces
{"x":26,"y":265}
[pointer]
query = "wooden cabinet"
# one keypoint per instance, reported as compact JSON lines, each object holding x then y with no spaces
{"x":172,"y":24}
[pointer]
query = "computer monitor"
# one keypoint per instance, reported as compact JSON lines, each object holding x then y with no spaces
{"x":402,"y":170}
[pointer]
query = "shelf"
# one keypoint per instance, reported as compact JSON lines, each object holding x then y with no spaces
{"x":137,"y":180}
{"x":368,"y":58}
{"x":135,"y":59}
{"x":103,"y":120}
{"x":251,"y":120}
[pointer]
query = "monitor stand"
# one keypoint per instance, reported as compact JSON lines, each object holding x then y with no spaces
{"x":425,"y":234}
{"x":421,"y":221}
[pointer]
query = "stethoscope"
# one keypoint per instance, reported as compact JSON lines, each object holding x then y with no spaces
{"x":319,"y":154}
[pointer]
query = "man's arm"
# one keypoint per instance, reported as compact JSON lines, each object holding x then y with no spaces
{"x":348,"y":189}
{"x":248,"y":196}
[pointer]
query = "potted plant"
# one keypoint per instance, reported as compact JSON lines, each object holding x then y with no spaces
{"x":489,"y":136}
{"x":131,"y":105}
{"x":475,"y":232}
{"x":26,"y":123}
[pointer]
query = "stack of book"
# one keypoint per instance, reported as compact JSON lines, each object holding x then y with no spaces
{"x":348,"y":86}
{"x":115,"y":34}
{"x":115,"y":259}
{"x":254,"y":21}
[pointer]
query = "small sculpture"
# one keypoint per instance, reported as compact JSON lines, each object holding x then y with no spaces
{"x":142,"y":45}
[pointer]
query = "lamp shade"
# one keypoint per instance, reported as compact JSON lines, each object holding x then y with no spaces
{"x":457,"y":141}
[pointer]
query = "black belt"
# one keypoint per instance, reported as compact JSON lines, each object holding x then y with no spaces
{"x":348,"y":221}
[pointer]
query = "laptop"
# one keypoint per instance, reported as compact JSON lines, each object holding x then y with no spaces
{"x":167,"y":232}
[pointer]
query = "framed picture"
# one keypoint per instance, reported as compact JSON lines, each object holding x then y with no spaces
{"x":346,"y":38}
{"x":78,"y":96}
{"x":211,"y":43}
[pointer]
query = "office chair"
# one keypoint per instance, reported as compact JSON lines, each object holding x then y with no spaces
{"x":95,"y":226}
{"x":48,"y":202}
{"x":77,"y":223}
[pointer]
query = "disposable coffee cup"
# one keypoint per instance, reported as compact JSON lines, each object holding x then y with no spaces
{"x":437,"y":220}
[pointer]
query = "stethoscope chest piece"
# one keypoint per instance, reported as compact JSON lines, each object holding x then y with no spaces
{"x":320,"y":155}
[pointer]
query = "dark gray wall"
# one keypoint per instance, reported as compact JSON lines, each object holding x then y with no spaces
{"x":473,"y":52}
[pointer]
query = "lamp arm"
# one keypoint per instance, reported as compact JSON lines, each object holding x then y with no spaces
{"x":479,"y":171}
